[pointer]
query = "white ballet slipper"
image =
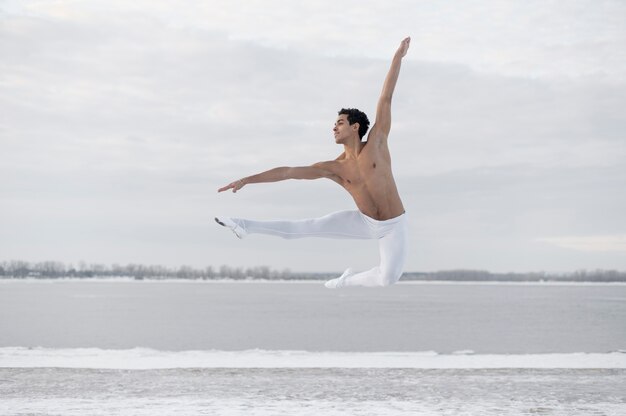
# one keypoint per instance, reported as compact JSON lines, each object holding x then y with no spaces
{"x":227,"y":222}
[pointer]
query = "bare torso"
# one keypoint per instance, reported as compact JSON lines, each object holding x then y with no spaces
{"x":369,"y":180}
{"x":364,"y":169}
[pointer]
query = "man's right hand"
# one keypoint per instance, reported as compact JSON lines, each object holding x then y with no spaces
{"x":404,"y":46}
{"x":235,"y":186}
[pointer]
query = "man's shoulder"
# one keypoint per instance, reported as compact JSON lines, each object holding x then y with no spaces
{"x":375,"y":144}
{"x":377,"y":135}
{"x":328,"y":164}
{"x":329,"y":169}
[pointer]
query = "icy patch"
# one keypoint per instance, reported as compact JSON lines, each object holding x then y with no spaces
{"x":145,"y":358}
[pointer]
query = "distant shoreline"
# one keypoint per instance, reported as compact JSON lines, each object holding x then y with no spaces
{"x":19,"y":269}
{"x":301,"y":281}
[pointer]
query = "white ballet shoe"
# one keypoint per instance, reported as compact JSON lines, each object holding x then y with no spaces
{"x":338,"y":282}
{"x":227,"y":222}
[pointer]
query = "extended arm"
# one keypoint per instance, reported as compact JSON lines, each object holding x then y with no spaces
{"x":316,"y":171}
{"x":382,"y":125}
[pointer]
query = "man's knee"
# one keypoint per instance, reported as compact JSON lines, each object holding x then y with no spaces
{"x":389,"y":277}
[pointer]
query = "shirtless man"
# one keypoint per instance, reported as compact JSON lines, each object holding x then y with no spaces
{"x":364,"y":170}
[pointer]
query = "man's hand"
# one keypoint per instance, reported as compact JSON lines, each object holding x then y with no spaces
{"x":235,"y":186}
{"x":404,"y":47}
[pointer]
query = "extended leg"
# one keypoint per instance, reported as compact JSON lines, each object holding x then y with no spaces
{"x":338,"y":225}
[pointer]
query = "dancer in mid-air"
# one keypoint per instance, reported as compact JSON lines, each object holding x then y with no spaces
{"x":364,"y":170}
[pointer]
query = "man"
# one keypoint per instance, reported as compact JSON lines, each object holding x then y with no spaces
{"x":364,"y":170}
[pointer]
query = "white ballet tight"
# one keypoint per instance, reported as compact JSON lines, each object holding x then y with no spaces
{"x":391,"y":235}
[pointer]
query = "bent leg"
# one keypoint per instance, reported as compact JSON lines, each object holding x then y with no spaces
{"x":338,"y":225}
{"x":393,"y":251}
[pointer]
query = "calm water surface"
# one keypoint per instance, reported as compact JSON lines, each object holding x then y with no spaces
{"x":484,"y":318}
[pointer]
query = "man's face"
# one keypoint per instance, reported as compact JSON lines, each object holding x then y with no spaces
{"x":343,"y":130}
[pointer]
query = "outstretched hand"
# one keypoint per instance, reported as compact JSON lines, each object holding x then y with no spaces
{"x":235,"y":186}
{"x":404,"y":46}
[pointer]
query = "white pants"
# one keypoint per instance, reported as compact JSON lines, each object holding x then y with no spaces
{"x":391,"y":235}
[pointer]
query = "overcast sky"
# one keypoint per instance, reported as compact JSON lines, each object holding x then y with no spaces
{"x":119,"y":120}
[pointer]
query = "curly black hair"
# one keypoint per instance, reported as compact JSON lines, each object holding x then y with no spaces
{"x":356,"y":116}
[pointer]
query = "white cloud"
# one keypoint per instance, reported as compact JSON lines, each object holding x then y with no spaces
{"x":522,"y":38}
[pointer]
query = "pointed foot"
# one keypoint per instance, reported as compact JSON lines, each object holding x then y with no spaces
{"x":339,"y":281}
{"x":229,"y":223}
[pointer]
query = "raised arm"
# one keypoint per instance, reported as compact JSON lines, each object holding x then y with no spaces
{"x":382,"y":125}
{"x":316,"y":171}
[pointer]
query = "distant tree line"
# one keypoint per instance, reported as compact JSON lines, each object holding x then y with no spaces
{"x":598,"y":275}
{"x":18,"y":269}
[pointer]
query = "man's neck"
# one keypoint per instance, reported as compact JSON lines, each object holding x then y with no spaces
{"x":353,"y":147}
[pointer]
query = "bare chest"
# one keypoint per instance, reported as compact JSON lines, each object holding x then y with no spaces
{"x":359,"y":173}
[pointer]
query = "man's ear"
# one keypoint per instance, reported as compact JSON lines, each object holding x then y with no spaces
{"x":355,"y":126}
